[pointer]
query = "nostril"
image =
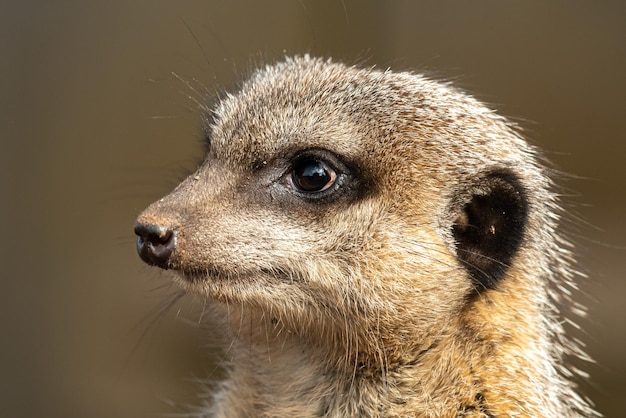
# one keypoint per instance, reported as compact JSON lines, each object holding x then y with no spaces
{"x":155,"y":234}
{"x":155,"y":243}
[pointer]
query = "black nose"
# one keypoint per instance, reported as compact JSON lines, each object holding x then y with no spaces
{"x":155,"y":244}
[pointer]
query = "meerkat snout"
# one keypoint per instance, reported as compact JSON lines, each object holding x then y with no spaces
{"x":372,"y":243}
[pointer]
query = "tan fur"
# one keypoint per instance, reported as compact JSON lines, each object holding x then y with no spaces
{"x":362,"y":308}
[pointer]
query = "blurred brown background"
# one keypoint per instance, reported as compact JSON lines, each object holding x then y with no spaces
{"x":98,"y":118}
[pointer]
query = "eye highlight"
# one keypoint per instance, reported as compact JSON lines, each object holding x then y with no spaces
{"x":312,"y":175}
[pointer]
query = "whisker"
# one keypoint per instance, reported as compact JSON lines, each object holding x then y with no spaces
{"x":156,"y":314}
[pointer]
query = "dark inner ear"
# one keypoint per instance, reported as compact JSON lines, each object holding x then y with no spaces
{"x":489,"y":227}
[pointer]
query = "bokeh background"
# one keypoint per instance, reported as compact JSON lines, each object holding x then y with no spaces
{"x":99,"y":117}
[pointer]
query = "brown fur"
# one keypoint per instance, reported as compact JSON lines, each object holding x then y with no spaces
{"x":360,"y":306}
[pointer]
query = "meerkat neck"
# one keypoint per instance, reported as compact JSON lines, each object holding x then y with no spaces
{"x":279,"y":372}
{"x":273,"y":372}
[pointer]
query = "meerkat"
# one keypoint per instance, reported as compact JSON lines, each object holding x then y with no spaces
{"x":375,"y":243}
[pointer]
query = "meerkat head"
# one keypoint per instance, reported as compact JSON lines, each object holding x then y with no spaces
{"x":338,"y":197}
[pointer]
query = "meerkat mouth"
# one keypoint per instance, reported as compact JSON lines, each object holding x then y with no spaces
{"x":217,"y":275}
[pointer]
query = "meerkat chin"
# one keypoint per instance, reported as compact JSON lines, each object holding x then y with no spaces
{"x":376,"y":244}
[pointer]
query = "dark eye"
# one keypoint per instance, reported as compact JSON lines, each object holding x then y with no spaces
{"x":311,"y":175}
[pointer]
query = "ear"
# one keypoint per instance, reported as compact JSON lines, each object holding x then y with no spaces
{"x":490,"y":221}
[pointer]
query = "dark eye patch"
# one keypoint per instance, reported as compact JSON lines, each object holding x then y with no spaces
{"x":315,"y":177}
